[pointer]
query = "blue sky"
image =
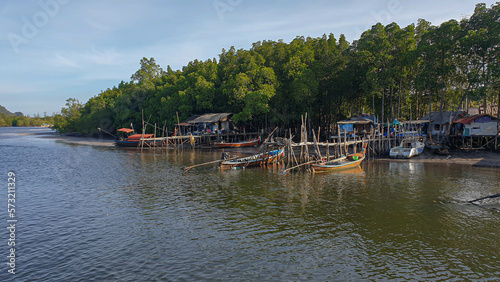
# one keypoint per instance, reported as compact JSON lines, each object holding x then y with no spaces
{"x":51,"y":50}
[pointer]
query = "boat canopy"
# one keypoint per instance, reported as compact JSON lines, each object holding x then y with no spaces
{"x":139,"y":136}
{"x":126,"y":130}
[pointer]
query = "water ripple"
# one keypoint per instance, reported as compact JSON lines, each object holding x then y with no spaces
{"x":109,"y":214}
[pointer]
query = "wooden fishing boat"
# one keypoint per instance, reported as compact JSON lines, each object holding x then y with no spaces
{"x":437,"y":147}
{"x":255,"y":160}
{"x":348,"y":162}
{"x":248,"y":143}
{"x":134,"y":140}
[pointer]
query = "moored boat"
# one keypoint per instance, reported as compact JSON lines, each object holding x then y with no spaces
{"x":255,"y":160}
{"x":248,"y":143}
{"x":348,"y":162}
{"x":437,"y":147}
{"x":407,"y":149}
{"x":134,"y":140}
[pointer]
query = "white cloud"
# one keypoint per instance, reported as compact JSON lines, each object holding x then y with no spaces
{"x":61,"y":61}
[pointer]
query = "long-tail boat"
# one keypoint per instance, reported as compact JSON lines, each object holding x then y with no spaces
{"x":255,"y":160}
{"x":347,"y":162}
{"x":134,"y":140}
{"x":248,"y":143}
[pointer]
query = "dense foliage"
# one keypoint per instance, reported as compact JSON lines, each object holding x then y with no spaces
{"x":390,"y":71}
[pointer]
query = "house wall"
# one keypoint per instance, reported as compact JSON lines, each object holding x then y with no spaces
{"x":224,"y":126}
{"x":435,"y":128}
{"x":481,"y":129}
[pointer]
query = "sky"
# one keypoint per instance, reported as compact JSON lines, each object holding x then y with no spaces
{"x":52,"y":50}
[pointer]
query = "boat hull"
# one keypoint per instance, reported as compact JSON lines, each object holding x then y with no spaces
{"x":249,"y":143}
{"x":349,"y":162}
{"x":136,"y":143}
{"x":254,"y":161}
{"x":403,"y":152}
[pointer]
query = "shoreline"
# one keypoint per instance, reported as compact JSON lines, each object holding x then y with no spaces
{"x":476,"y":158}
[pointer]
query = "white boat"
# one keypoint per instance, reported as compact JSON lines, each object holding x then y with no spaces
{"x":408,"y":148}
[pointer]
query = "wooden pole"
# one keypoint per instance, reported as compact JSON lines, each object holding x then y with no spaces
{"x":355,"y":142}
{"x":186,"y":169}
{"x":302,"y":137}
{"x":307,"y":138}
{"x":339,"y":140}
{"x":316,"y":143}
{"x":142,"y":134}
{"x":285,"y":172}
{"x":327,"y":149}
{"x":346,"y":150}
{"x":266,"y":139}
{"x":154,"y":142}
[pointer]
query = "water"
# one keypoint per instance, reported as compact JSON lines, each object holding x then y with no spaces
{"x":113,"y":214}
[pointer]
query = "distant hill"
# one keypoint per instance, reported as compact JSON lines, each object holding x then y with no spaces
{"x":6,"y":112}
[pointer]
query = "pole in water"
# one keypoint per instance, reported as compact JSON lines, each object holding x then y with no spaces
{"x":484,"y":198}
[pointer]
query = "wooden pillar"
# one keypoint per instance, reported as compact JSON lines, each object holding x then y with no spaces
{"x":355,"y":142}
{"x":338,"y":141}
{"x":345,"y":143}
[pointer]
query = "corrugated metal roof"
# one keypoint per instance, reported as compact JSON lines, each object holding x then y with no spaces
{"x":360,"y":119}
{"x":209,"y":118}
{"x":441,"y":118}
{"x":472,"y":118}
{"x":355,"y":122}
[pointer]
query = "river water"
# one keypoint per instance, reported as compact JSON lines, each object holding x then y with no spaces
{"x":115,"y":214}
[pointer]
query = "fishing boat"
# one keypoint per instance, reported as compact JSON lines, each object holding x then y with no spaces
{"x":248,"y":143}
{"x":348,"y":162}
{"x":437,"y":148}
{"x":134,"y":140}
{"x":407,"y":149}
{"x":253,"y":161}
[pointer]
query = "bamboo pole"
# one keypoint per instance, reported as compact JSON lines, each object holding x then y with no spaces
{"x":301,"y":157}
{"x":266,"y":139}
{"x":186,"y":169}
{"x":345,"y":143}
{"x":339,"y":141}
{"x":355,"y":142}
{"x":327,"y":149}
{"x":307,"y":138}
{"x":285,"y":172}
{"x":142,"y":134}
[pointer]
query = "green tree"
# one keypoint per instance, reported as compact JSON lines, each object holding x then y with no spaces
{"x":69,"y":120}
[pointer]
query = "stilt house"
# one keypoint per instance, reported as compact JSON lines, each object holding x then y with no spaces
{"x":477,"y":125}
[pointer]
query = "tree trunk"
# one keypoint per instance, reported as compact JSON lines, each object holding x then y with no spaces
{"x":498,"y":106}
{"x":417,"y":109}
{"x":383,"y":95}
{"x":430,"y":109}
{"x":441,"y":108}
{"x":392,"y":105}
{"x":373,"y":102}
{"x":399,"y":101}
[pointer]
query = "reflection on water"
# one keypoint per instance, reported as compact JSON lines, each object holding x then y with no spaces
{"x":115,"y":214}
